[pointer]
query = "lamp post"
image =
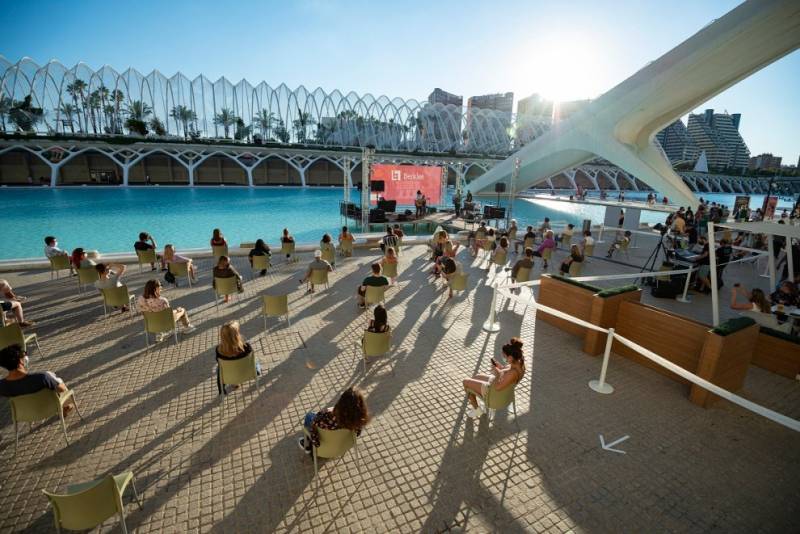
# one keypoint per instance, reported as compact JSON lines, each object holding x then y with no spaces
{"x":512,"y":184}
{"x":366,"y":163}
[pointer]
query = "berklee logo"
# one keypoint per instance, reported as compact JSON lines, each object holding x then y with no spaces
{"x":396,"y":176}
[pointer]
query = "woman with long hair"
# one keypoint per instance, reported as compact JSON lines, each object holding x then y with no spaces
{"x":380,"y":322}
{"x":503,"y":375}
{"x":260,"y":249}
{"x":217,"y":239}
{"x":329,"y":251}
{"x":350,"y":412}
{"x":170,"y":256}
{"x":232,"y":346}
{"x":574,"y":256}
{"x":152,"y":301}
{"x":224,"y":269}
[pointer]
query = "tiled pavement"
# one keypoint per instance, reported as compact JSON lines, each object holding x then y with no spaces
{"x":425,"y":467}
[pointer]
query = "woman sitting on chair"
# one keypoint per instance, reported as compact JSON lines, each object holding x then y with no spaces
{"x":287,"y":238}
{"x":224,"y":269}
{"x":260,"y":249}
{"x":80,"y":260}
{"x":350,"y":412}
{"x":502,"y":246}
{"x":501,"y":377}
{"x":326,"y":244}
{"x":170,"y":256}
{"x":232,"y":346}
{"x":380,"y":323}
{"x":574,"y":256}
{"x":449,"y":268}
{"x":390,"y":257}
{"x":345,"y":237}
{"x":152,"y":301}
{"x":217,"y":239}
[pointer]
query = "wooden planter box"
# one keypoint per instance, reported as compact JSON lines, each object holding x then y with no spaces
{"x":778,"y":355}
{"x":568,"y":298}
{"x":724,"y":362}
{"x":604,"y":313}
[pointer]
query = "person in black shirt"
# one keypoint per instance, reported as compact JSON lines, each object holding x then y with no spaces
{"x":19,"y":382}
{"x":260,"y":249}
{"x":146,"y":242}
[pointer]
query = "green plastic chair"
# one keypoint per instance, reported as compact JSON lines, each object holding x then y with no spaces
{"x":117,"y":297}
{"x":328,"y":253}
{"x":588,"y":251}
{"x":12,"y":334}
{"x":260,"y":263}
{"x":575,"y":268}
{"x":499,"y":400}
{"x":333,"y":444}
{"x":159,"y":322}
{"x":146,"y":257}
{"x":318,"y":277}
{"x":275,"y":306}
{"x":87,"y":276}
{"x":547,"y":255}
{"x":375,"y":295}
{"x":523,"y":275}
{"x":40,"y":406}
{"x":457,"y":281}
{"x":58,"y":264}
{"x":566,"y":240}
{"x":528,"y":243}
{"x":389,"y":270}
{"x":375,"y":344}
{"x":500,"y":258}
{"x":85,"y":506}
{"x":236,"y":372}
{"x":219,"y":250}
{"x":346,"y":248}
{"x":180,"y":270}
{"x":288,"y":249}
{"x":223,"y":287}
{"x":487,"y":246}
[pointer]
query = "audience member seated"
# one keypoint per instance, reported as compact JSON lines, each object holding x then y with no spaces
{"x":450,"y":248}
{"x":449,"y":268}
{"x":145,"y":243}
{"x":526,"y":262}
{"x":326,"y":244}
{"x":350,"y":412}
{"x":79,"y":259}
{"x":544,"y":227}
{"x":224,"y":269}
{"x":8,"y":292}
{"x":756,"y":300}
{"x":232,"y":346}
{"x":346,"y":237}
{"x":51,"y":249}
{"x":502,"y":248}
{"x":566,"y":235}
{"x":19,"y":381}
{"x":786,"y":294}
{"x":389,"y":258}
{"x":316,"y":264}
{"x":503,"y":375}
{"x":109,"y":278}
{"x":380,"y":321}
{"x":398,"y":232}
{"x":287,"y":238}
{"x":260,"y":249}
{"x":575,"y":256}
{"x":374,"y":280}
{"x":619,"y":243}
{"x":217,"y":239}
{"x":15,"y":307}
{"x":152,"y":301}
{"x":170,"y":256}
{"x":529,"y":234}
{"x":437,"y":245}
{"x":547,"y":243}
{"x":479,"y":238}
{"x":389,"y":240}
{"x":588,"y":241}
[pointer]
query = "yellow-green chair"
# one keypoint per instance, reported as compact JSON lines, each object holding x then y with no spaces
{"x":487,"y":246}
{"x":318,"y":277}
{"x":87,"y":276}
{"x":117,"y":297}
{"x":146,"y":257}
{"x":224,"y":287}
{"x":398,"y":244}
{"x":458,"y":282}
{"x":333,"y":444}
{"x":375,"y":344}
{"x":275,"y":306}
{"x":346,"y":248}
{"x":588,"y":250}
{"x":528,"y":243}
{"x":498,"y":400}
{"x":260,"y":263}
{"x":12,"y":334}
{"x":624,"y":246}
{"x":235,"y":373}
{"x":287,"y":249}
{"x":160,"y":322}
{"x":566,"y":240}
{"x":180,"y":270}
{"x":512,"y":236}
{"x":219,"y":250}
{"x":58,"y":264}
{"x":547,"y":255}
{"x":499,"y":258}
{"x":389,"y":270}
{"x":328,"y":253}
{"x":523,"y":275}
{"x":40,"y":406}
{"x":85,"y":506}
{"x":375,"y":295}
{"x":575,"y":268}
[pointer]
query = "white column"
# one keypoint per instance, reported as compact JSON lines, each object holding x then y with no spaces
{"x":125,"y":173}
{"x":54,"y":174}
{"x":346,"y":179}
{"x":190,"y":169}
{"x":712,"y":253}
{"x":250,"y":176}
{"x":302,"y":171}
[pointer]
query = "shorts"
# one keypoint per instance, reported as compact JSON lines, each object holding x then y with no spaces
{"x":704,"y":271}
{"x":6,"y":305}
{"x":485,"y":388}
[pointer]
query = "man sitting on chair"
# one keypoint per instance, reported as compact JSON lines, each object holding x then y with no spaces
{"x":317,"y":263}
{"x":375,"y":280}
{"x":618,"y":243}
{"x":19,"y":382}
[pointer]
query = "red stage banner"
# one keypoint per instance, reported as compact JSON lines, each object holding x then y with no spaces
{"x":401,"y":183}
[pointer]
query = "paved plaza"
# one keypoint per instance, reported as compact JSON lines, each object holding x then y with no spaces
{"x":425,"y":467}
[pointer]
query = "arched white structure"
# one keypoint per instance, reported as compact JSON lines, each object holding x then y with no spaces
{"x":620,"y":125}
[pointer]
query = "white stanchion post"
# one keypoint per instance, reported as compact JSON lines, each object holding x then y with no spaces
{"x":601,"y":386}
{"x":685,"y":297}
{"x":600,"y":234}
{"x":491,"y":324}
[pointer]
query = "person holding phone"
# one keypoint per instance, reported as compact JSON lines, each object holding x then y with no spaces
{"x":503,"y":375}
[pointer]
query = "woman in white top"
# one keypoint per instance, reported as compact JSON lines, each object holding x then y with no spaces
{"x":170,"y":256}
{"x":756,"y":300}
{"x":152,"y":301}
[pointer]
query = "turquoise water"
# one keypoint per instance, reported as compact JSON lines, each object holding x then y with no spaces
{"x":110,"y":219}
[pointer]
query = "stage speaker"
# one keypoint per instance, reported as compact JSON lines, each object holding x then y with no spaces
{"x":500,"y":187}
{"x":377,"y":186}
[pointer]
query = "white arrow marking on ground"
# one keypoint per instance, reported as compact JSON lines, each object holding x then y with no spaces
{"x":607,"y":447}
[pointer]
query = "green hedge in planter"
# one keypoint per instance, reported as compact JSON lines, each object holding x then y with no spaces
{"x":731,"y":326}
{"x":567,"y":280}
{"x":612,"y":291}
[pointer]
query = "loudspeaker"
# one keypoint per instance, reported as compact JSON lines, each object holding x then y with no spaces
{"x":500,"y":187}
{"x":377,"y":186}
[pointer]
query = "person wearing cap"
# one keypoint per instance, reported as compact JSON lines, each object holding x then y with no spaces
{"x":317,"y":263}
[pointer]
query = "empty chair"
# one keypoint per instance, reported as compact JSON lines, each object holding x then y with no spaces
{"x":498,"y":400}
{"x":160,"y":322}
{"x":287,"y":249}
{"x":58,"y":264}
{"x":117,"y":297}
{"x":85,"y":506}
{"x":236,"y":372}
{"x":40,"y":406}
{"x":180,"y":270}
{"x":146,"y":257}
{"x":275,"y":306}
{"x":575,"y":268}
{"x":375,"y":344}
{"x":12,"y":334}
{"x":547,"y":254}
{"x":457,"y":282}
{"x":224,"y":287}
{"x":333,"y":444}
{"x":87,"y":276}
{"x":374,"y":295}
{"x":219,"y":250}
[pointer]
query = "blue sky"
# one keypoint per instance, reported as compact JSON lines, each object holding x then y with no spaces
{"x":565,"y":50}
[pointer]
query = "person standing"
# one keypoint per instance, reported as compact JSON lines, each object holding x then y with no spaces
{"x":457,"y":203}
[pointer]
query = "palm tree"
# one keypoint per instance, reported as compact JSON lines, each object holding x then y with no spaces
{"x":94,"y":106}
{"x":242,"y":131}
{"x":184,"y":115}
{"x":69,"y":110}
{"x":300,"y":125}
{"x":263,"y":120}
{"x":281,"y":132}
{"x":25,"y":116}
{"x":226,"y":118}
{"x":5,"y":108}
{"x":117,"y":97}
{"x":157,"y":126}
{"x":77,"y":90}
{"x":103,"y":93}
{"x":138,"y":112}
